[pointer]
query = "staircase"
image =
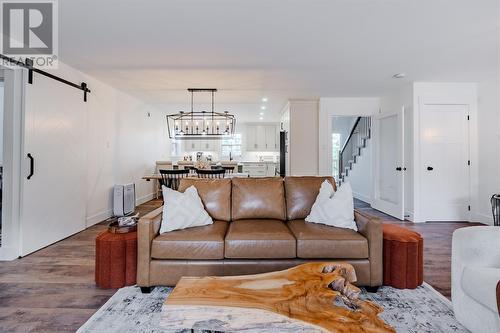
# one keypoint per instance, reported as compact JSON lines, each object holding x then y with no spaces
{"x":351,"y":150}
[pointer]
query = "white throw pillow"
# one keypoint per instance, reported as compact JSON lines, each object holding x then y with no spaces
{"x":183,"y":210}
{"x":332,"y":208}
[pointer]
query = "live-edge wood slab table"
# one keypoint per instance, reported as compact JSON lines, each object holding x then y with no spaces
{"x":313,"y":297}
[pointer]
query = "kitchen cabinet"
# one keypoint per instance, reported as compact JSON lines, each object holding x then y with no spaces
{"x":201,"y":145}
{"x":262,"y":137}
{"x":259,"y":169}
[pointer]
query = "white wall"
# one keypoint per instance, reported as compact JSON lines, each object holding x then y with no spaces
{"x":303,"y":137}
{"x":1,"y":122}
{"x":125,"y":137}
{"x":488,"y":130}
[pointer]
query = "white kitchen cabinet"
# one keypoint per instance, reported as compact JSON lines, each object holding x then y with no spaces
{"x":259,"y":169}
{"x":201,"y":145}
{"x":270,"y":134}
{"x":251,"y":138}
{"x":192,"y":145}
{"x":262,"y":137}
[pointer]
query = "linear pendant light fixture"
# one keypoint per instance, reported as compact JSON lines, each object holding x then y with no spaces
{"x":201,"y":124}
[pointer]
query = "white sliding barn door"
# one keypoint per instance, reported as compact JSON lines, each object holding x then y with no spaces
{"x":54,"y":197}
{"x":388,"y":157}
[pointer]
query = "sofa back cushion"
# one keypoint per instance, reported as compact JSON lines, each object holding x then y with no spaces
{"x":258,"y":198}
{"x":214,"y":193}
{"x":301,"y":192}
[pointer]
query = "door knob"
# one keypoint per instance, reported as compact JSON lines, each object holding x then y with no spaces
{"x":399,"y":169}
{"x":430,"y":168}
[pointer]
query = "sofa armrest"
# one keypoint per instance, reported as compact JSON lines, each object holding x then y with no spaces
{"x":371,"y":229}
{"x":147,"y":229}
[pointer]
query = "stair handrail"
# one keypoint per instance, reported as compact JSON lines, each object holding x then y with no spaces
{"x":350,"y":135}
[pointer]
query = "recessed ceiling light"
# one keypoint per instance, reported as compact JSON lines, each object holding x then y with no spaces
{"x":261,"y":118}
{"x":263,"y":107}
{"x":264,"y":99}
{"x":399,"y":75}
{"x":261,"y":114}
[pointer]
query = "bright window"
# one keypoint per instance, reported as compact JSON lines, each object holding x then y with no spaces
{"x":335,"y":154}
{"x":231,"y":144}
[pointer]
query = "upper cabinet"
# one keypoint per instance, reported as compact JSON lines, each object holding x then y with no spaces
{"x":262,"y":137}
{"x":201,"y":145}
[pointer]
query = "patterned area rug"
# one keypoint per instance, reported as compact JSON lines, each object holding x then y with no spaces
{"x":418,"y":310}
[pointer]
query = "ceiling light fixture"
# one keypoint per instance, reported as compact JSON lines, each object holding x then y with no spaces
{"x":263,"y":107}
{"x":399,"y":75}
{"x":264,"y":99}
{"x":209,"y":124}
{"x":261,"y":114}
{"x":261,"y":118}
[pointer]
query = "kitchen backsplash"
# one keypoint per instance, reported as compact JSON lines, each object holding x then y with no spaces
{"x":253,"y":156}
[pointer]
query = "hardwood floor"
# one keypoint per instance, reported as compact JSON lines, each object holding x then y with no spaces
{"x":53,"y":289}
{"x":437,"y":246}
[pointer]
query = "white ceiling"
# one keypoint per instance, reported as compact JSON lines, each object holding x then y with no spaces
{"x":155,"y":49}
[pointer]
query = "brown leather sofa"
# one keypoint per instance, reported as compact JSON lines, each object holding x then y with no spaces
{"x":258,"y":227}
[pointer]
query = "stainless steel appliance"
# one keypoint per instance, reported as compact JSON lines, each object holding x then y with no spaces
{"x":283,"y":152}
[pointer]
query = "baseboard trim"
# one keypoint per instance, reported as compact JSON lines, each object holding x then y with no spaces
{"x":99,"y":217}
{"x":8,"y":253}
{"x":362,"y":197}
{"x":482,"y":218}
{"x":146,"y":198}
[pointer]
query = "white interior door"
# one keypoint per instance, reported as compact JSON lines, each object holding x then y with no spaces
{"x":54,"y":197}
{"x":388,"y":157}
{"x":444,"y":166}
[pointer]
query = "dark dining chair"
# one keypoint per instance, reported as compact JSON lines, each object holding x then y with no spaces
{"x":229,"y":169}
{"x":172,"y":178}
{"x":214,"y":173}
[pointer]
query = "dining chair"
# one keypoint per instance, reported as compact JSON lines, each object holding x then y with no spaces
{"x":214,"y":173}
{"x":172,"y":178}
{"x":229,"y":169}
{"x":163,"y":165}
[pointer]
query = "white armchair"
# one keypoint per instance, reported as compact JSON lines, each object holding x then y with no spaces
{"x":475,"y":273}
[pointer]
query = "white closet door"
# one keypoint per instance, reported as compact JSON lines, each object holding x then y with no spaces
{"x":444,"y":168}
{"x":54,"y":198}
{"x":388,"y":163}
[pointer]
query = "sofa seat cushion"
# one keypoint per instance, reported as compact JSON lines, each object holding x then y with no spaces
{"x":322,"y":241}
{"x":206,"y":242}
{"x":259,"y":239}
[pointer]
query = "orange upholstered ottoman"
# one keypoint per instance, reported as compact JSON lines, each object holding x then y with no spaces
{"x":403,"y":257}
{"x":115,"y":259}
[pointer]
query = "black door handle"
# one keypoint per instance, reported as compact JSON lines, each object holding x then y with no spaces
{"x":32,"y":166}
{"x":399,"y":169}
{"x":430,"y":168}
